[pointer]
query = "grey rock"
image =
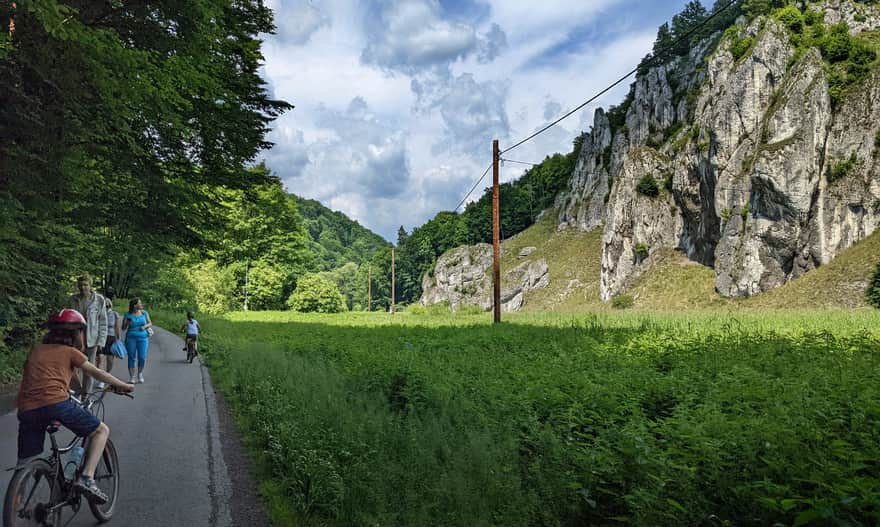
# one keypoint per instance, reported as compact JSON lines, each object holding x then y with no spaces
{"x":746,"y":155}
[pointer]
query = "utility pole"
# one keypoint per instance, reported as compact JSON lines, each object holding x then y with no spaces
{"x":392,"y":280}
{"x":496,"y":235}
{"x":369,"y":288}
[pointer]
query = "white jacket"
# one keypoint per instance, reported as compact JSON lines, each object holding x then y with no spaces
{"x":95,"y":313}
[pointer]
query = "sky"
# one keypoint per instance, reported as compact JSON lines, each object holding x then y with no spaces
{"x":397,"y":102}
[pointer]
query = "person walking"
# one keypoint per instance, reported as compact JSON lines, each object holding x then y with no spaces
{"x":114,"y":332}
{"x":93,"y":308}
{"x":138,"y":327}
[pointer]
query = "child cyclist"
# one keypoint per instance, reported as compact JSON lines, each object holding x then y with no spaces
{"x":44,"y":396}
{"x":191,"y":327}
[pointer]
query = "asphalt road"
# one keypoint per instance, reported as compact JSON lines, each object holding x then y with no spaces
{"x":171,"y":440}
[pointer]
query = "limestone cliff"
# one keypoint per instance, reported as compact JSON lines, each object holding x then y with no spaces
{"x":757,"y":170}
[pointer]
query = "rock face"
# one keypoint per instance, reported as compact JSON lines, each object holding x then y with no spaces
{"x":741,"y":150}
{"x":462,"y":277}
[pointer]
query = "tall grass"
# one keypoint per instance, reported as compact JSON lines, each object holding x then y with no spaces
{"x":559,"y":420}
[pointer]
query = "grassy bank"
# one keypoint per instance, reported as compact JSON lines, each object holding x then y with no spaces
{"x":626,"y":419}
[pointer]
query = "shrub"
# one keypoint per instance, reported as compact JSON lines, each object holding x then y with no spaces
{"x":836,"y":44}
{"x":739,"y":47}
{"x":874,"y":288}
{"x":622,"y":301}
{"x":792,"y":18}
{"x":667,"y":182}
{"x":314,"y":294}
{"x":648,"y":186}
{"x":877,"y":139}
{"x":841,"y":169}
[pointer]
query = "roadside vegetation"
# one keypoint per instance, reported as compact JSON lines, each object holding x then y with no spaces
{"x":702,"y":419}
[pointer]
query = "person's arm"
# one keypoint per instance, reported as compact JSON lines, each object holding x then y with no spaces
{"x":149,"y":323}
{"x":118,"y":328}
{"x":125,"y":323}
{"x":110,"y":379}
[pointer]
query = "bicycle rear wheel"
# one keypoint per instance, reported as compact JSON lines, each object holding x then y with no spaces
{"x":107,"y":479}
{"x":32,"y":491}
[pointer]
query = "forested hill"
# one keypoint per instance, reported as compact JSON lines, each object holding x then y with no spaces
{"x":335,"y":238}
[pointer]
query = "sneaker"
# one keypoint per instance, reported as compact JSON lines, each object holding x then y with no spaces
{"x":90,"y":490}
{"x":141,"y":378}
{"x":133,"y":380}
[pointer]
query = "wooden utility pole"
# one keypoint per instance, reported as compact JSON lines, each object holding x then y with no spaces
{"x":496,"y":235}
{"x":392,"y":280}
{"x":369,"y":288}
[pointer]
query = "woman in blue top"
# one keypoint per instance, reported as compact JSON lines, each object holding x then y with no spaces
{"x":136,"y":324}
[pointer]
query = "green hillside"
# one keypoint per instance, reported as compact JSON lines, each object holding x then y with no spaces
{"x":674,"y":282}
{"x":336,"y":239}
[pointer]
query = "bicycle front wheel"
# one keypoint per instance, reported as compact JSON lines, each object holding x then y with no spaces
{"x":107,"y":479}
{"x":32,"y":492}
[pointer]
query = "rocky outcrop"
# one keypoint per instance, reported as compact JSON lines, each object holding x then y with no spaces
{"x":760,"y":175}
{"x":462,"y":277}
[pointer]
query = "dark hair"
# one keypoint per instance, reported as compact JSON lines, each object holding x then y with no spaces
{"x":189,"y":314}
{"x":132,"y":303}
{"x":67,"y":337}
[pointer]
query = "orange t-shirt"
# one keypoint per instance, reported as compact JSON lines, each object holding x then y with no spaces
{"x":47,"y":375}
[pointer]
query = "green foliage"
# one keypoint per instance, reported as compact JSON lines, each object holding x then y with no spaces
{"x":873,"y":291}
{"x":336,"y":239}
{"x":647,"y":186}
{"x":877,"y":139}
{"x":214,"y":287}
{"x":726,"y":214}
{"x":121,"y":121}
{"x":791,"y":17}
{"x":622,"y":301}
{"x":316,"y":294}
{"x":841,"y":168}
{"x":559,"y":421}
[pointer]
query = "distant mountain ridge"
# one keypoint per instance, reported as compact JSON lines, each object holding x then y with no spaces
{"x":334,"y":237}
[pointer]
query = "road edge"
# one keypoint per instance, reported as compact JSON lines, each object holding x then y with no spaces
{"x":234,"y":496}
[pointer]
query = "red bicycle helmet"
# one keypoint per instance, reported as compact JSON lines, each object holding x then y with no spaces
{"x":67,"y":319}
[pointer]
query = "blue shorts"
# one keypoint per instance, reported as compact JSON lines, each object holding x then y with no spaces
{"x":32,"y":425}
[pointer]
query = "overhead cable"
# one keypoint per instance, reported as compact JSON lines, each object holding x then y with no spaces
{"x":663,"y":51}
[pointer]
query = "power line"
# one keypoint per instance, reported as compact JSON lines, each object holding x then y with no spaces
{"x":466,"y":196}
{"x":520,"y":162}
{"x":663,"y":51}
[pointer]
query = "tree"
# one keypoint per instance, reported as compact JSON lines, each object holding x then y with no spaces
{"x":873,"y":291}
{"x":315,"y":294}
{"x":120,"y":120}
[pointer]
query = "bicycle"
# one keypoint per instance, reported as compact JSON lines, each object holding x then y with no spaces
{"x":39,"y":491}
{"x":190,"y":349}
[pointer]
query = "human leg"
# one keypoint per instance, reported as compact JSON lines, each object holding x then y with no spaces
{"x":31,"y":433}
{"x":84,"y":424}
{"x":97,"y":440}
{"x":142,"y":347}
{"x":87,"y":380}
{"x":131,"y":353}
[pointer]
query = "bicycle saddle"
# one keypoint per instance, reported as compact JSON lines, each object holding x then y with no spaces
{"x":53,"y":426}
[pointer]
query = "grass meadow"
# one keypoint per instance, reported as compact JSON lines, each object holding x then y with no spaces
{"x":756,"y":418}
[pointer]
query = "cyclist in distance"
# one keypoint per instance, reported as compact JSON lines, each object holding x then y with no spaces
{"x":44,"y":396}
{"x":192,"y":328}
